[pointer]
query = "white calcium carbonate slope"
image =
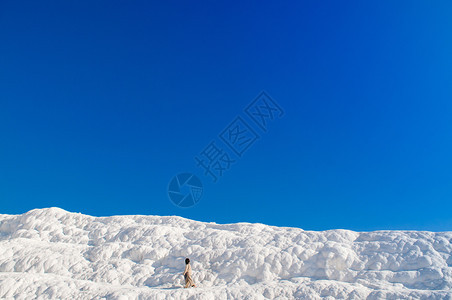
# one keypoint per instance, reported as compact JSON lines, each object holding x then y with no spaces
{"x":51,"y":253}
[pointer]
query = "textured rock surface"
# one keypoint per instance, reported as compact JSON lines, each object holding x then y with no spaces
{"x":51,"y":253}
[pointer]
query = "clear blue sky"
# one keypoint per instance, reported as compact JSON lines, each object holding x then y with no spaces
{"x":103,"y":102}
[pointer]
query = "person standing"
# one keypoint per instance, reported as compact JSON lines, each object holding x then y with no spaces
{"x":187,"y":274}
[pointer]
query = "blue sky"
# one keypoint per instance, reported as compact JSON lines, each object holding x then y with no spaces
{"x":102,"y":103}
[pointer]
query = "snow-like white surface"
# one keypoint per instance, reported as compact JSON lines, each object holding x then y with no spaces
{"x":51,"y":253}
